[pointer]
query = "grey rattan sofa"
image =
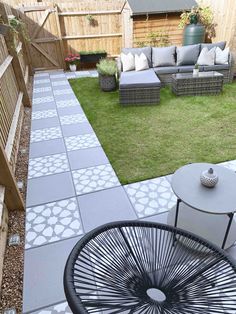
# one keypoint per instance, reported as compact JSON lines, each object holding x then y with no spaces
{"x":143,"y":87}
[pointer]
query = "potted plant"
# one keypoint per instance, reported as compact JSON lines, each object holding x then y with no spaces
{"x":92,"y":56}
{"x":196,"y":69}
{"x":72,"y":60}
{"x":198,"y":24}
{"x":107,"y":70}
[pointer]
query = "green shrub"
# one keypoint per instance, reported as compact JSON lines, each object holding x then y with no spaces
{"x":107,"y":67}
{"x":94,"y":52}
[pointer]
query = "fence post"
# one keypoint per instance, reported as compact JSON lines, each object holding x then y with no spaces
{"x":60,"y":37}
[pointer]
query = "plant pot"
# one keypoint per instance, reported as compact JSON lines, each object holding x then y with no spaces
{"x":195,"y":71}
{"x":72,"y":67}
{"x":107,"y":82}
{"x":92,"y":57}
{"x":193,"y":34}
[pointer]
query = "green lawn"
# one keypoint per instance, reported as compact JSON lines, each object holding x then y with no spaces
{"x":143,"y":142}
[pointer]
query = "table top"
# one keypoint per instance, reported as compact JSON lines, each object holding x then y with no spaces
{"x":220,"y":199}
{"x":181,"y":76}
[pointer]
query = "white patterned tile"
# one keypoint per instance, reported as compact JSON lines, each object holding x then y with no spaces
{"x":67,"y":103}
{"x":60,"y":308}
{"x":52,"y":222}
{"x":82,"y":73}
{"x":46,"y":74}
{"x":55,"y":76}
{"x":73,"y":119}
{"x":45,"y":134}
{"x":37,"y":90}
{"x":229,"y":164}
{"x":41,"y":100}
{"x":81,"y":141}
{"x":94,"y":179}
{"x":59,"y":83}
{"x":43,"y":114}
{"x":151,"y":197}
{"x":43,"y":81}
{"x":67,"y":91}
{"x":47,"y":165}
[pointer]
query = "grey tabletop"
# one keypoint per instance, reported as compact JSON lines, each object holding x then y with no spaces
{"x":220,"y":199}
{"x":180,"y":76}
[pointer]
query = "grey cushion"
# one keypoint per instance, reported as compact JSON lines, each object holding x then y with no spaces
{"x":188,"y":68}
{"x":187,"y":54}
{"x":146,"y":50}
{"x":163,"y":56}
{"x":166,"y":70}
{"x":216,"y":67}
{"x":220,"y":44}
{"x":133,"y":79}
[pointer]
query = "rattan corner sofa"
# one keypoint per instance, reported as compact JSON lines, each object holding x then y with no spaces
{"x":143,"y":87}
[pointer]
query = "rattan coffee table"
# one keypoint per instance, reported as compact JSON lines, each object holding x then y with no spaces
{"x":204,"y":83}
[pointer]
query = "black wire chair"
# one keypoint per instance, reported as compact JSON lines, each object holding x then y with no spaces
{"x":142,"y":267}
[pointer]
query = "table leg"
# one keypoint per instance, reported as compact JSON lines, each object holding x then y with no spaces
{"x":231,"y":216}
{"x":177,"y":212}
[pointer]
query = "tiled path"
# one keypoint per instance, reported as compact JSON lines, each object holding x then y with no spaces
{"x":72,"y":188}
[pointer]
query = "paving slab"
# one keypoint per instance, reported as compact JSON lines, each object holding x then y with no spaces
{"x":81,"y":141}
{"x":76,"y":129}
{"x":68,"y":108}
{"x":44,"y":106}
{"x":44,"y":148}
{"x":45,"y":123}
{"x":49,"y":188}
{"x":105,"y":206}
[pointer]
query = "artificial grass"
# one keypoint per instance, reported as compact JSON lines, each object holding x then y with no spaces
{"x":144,"y":142}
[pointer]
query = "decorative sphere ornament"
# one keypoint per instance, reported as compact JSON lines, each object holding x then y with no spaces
{"x":209,"y":178}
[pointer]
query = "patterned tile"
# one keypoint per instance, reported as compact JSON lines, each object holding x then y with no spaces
{"x":94,"y":179}
{"x":82,"y":73}
{"x":67,"y":103}
{"x":43,"y":114}
{"x":229,"y":164}
{"x":81,"y":141}
{"x":45,"y":134}
{"x":43,"y":81}
{"x":46,"y":74}
{"x":72,"y":119}
{"x":47,"y":165}
{"x":56,"y":76}
{"x":70,"y":76}
{"x":42,"y":89}
{"x":151,"y":197}
{"x":52,"y":222}
{"x":41,"y":100}
{"x":67,"y":91}
{"x":60,"y":83}
{"x":61,"y":308}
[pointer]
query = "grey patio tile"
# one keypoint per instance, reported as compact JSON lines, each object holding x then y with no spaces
{"x":49,"y":189}
{"x":169,"y":177}
{"x":81,"y":141}
{"x":82,"y":73}
{"x":67,"y":103}
{"x":73,"y":118}
{"x":43,"y":114}
{"x":43,"y":274}
{"x":47,"y":165}
{"x":229,"y":164}
{"x":52,"y":222}
{"x":70,"y":75}
{"x":60,"y":308}
{"x":45,"y":123}
{"x":40,"y":75}
{"x":232,"y":252}
{"x":105,"y":206}
{"x":151,"y":197}
{"x":55,"y":76}
{"x":94,"y":179}
{"x":69,"y":96}
{"x":44,"y":89}
{"x":44,"y":106}
{"x":84,"y":158}
{"x":42,"y":100}
{"x":47,"y":148}
{"x":60,"y":84}
{"x":70,"y":110}
{"x":45,"y":134}
{"x":77,"y":129}
{"x":160,"y":218}
{"x":41,"y":81}
{"x":63,"y":91}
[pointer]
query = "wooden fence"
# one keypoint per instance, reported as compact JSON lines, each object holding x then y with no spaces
{"x":14,"y":74}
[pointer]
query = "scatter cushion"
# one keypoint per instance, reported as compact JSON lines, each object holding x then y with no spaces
{"x":222,"y":56}
{"x":140,"y":79}
{"x":163,"y":56}
{"x":141,"y":62}
{"x":187,"y":55}
{"x":207,"y":57}
{"x":220,"y":44}
{"x":137,"y":51}
{"x":127,"y":61}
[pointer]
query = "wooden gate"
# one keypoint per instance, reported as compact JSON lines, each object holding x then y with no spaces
{"x":46,"y":47}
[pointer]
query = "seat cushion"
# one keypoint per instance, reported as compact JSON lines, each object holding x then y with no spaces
{"x":163,"y":56}
{"x":216,"y":67}
{"x":137,"y":51}
{"x":166,"y":70}
{"x":220,"y":44}
{"x":188,"y":68}
{"x":133,"y":79}
{"x":187,"y":55}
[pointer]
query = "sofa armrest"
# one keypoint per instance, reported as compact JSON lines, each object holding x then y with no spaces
{"x":231,"y":66}
{"x":119,"y":65}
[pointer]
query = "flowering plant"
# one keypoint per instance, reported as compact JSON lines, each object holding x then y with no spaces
{"x":72,"y":59}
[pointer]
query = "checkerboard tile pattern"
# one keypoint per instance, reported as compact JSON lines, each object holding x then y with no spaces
{"x":81,"y":141}
{"x":73,"y":119}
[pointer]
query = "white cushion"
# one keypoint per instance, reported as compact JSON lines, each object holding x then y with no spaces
{"x":141,"y":62}
{"x":127,"y":62}
{"x":207,"y":57}
{"x":222,"y":56}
